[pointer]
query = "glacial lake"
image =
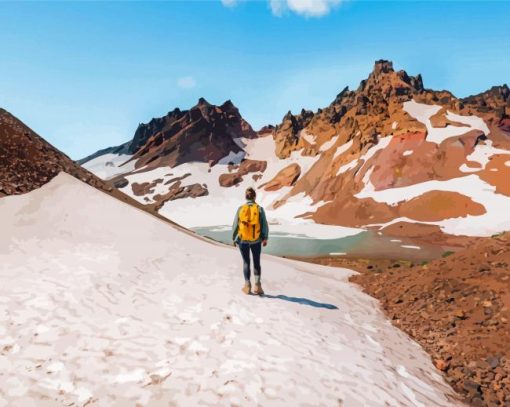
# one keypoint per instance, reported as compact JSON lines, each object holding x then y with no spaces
{"x":366,"y":244}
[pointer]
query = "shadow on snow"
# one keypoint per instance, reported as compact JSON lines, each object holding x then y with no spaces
{"x":304,"y":301}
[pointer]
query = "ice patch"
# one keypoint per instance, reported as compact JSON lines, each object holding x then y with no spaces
{"x":342,"y":149}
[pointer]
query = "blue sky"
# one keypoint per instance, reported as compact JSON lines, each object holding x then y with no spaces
{"x":84,"y":74}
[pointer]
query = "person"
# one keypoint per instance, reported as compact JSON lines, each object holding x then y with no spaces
{"x":250,"y":232}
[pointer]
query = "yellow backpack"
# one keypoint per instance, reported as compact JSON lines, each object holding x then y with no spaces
{"x":249,"y":222}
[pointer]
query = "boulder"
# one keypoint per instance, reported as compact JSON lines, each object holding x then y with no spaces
{"x":285,"y":178}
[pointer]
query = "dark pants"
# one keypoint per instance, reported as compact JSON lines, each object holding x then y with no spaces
{"x":255,"y":248}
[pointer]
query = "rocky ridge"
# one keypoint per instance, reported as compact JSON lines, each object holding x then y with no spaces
{"x":28,"y":161}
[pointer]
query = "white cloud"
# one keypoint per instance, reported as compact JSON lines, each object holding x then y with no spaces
{"x":229,"y":3}
{"x":307,"y":8}
{"x":186,"y":82}
{"x":312,"y":8}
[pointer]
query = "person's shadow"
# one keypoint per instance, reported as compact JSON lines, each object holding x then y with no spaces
{"x":304,"y":301}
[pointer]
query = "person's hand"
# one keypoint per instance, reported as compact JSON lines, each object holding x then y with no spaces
{"x":234,"y":243}
{"x":264,"y":243}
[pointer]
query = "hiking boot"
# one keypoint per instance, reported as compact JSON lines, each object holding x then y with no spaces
{"x":247,"y":288}
{"x":258,"y":289}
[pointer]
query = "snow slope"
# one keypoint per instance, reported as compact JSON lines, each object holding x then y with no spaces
{"x":108,"y":165}
{"x":92,"y":311}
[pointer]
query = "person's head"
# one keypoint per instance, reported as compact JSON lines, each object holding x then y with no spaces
{"x":250,"y":194}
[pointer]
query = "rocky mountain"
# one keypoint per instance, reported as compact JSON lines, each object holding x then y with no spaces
{"x":391,"y":155}
{"x":28,"y":161}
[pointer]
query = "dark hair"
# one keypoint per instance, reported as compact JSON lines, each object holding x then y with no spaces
{"x":250,"y":194}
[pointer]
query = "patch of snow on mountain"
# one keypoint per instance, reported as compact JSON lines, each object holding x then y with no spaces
{"x":328,"y":144}
{"x":475,"y":122}
{"x":381,"y":145}
{"x":368,"y":186}
{"x":310,"y":138}
{"x":347,"y":167}
{"x":464,"y":168}
{"x":139,"y":312}
{"x":422,"y":112}
{"x":109,"y":165}
{"x":471,"y":186}
{"x":483,"y":152}
{"x":234,"y":158}
{"x":342,"y":149}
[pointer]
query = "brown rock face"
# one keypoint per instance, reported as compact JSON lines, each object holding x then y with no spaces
{"x":439,"y":205}
{"x":204,"y":133}
{"x":27,"y":161}
{"x":493,"y":105}
{"x":368,"y":111}
{"x":229,"y":180}
{"x":177,"y":191}
{"x":287,"y":133}
{"x":440,"y":120}
{"x":285,"y":178}
{"x":497,"y":173}
{"x":348,"y":211}
{"x":426,"y":233}
{"x":145,"y":188}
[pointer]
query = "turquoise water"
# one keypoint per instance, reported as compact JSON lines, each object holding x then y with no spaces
{"x":366,"y":244}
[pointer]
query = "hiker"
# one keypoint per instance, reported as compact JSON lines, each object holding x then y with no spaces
{"x":250,"y":233}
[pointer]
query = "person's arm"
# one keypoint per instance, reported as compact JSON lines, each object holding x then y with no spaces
{"x":264,"y":227}
{"x":235,"y":227}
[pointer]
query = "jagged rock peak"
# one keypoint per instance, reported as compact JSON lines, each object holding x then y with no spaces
{"x":228,"y":106}
{"x":382,"y":66}
{"x":203,"y":102}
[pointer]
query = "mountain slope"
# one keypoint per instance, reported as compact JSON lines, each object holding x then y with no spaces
{"x":28,"y":161}
{"x":391,"y":155}
{"x":458,"y":308}
{"x":150,"y":315}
